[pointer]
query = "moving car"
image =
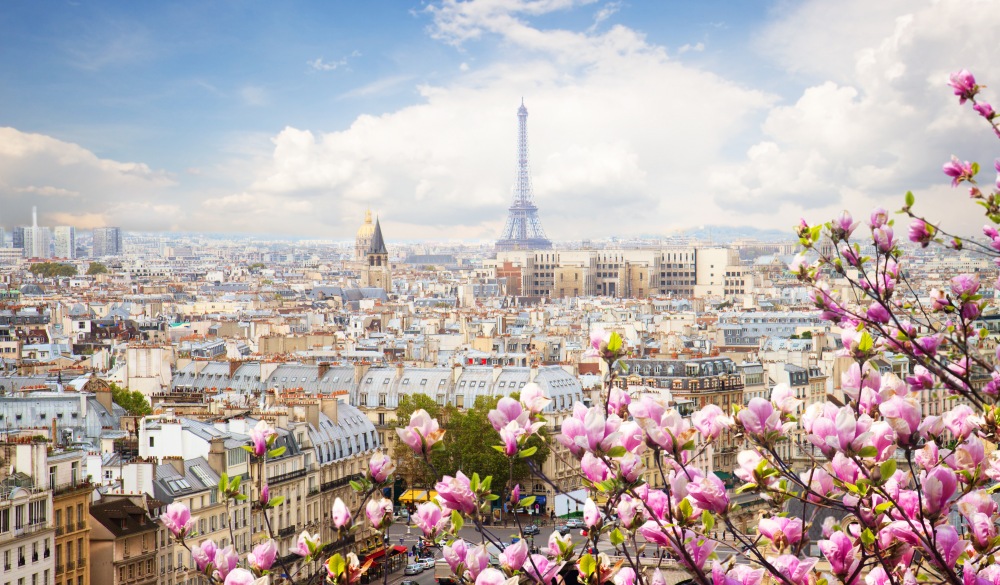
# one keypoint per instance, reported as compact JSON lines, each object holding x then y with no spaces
{"x":563,"y":529}
{"x":443,"y":574}
{"x":408,"y":582}
{"x":531,"y":529}
{"x":414,"y":569}
{"x":428,"y":563}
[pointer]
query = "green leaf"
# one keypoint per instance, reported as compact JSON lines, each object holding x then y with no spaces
{"x":885,"y":506}
{"x":493,"y":497}
{"x":587,"y":565}
{"x":868,"y":451}
{"x":276,"y":452}
{"x":685,"y":508}
{"x":867,"y":537}
{"x":457,"y":522}
{"x":616,"y":537}
{"x":909,"y":199}
{"x":866,"y":343}
{"x":247,"y":448}
{"x":615,"y":343}
{"x":474,"y":482}
{"x":975,"y":169}
{"x":525,"y":453}
{"x":500,"y":449}
{"x":337,"y":564}
{"x":276,"y":501}
{"x":240,"y":497}
{"x":224,"y":483}
{"x":887,"y":469}
{"x":617,"y":451}
{"x":527,"y":502}
{"x":356,"y":486}
{"x":707,"y":520}
{"x":486,"y":483}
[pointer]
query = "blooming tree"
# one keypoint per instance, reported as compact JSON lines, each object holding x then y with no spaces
{"x":902,"y":496}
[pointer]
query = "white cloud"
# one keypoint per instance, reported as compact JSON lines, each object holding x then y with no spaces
{"x":254,"y":95}
{"x":688,"y":48}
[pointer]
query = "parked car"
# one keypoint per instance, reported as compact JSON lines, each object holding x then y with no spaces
{"x":574,"y":523}
{"x":563,"y":529}
{"x":414,"y":569}
{"x":531,"y":529}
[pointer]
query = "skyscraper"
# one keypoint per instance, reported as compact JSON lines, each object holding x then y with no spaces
{"x":17,"y":237}
{"x":107,"y":242}
{"x":65,"y":242}
{"x":37,"y":240}
{"x":523,"y":230}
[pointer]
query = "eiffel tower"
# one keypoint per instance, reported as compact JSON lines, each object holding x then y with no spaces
{"x":523,"y":230}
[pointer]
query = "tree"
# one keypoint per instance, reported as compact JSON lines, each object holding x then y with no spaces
{"x":415,"y":472}
{"x":96,"y":268}
{"x":52,"y":269}
{"x":132,"y":401}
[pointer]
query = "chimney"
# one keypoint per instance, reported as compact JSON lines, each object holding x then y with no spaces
{"x":330,"y":405}
{"x":177,"y":463}
{"x":321,"y":372}
{"x":360,"y":369}
{"x":217,"y":455}
{"x":104,"y":396}
{"x":233,"y":366}
{"x":312,"y":408}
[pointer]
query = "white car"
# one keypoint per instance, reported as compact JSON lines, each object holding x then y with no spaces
{"x":427,"y":563}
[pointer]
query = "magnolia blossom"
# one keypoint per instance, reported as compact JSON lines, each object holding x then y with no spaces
{"x":261,"y":435}
{"x":589,"y":430}
{"x":305,"y":544}
{"x":477,"y":560}
{"x":841,"y":553}
{"x":591,"y":515}
{"x":422,"y":433}
{"x":203,"y":554}
{"x":738,"y":575}
{"x":493,"y":577}
{"x":381,"y":466}
{"x":594,"y":468}
{"x":240,"y":577}
{"x":781,"y":531}
{"x":429,"y":519}
{"x":709,"y":493}
{"x":948,"y":543}
{"x":938,"y":486}
{"x":263,"y":555}
{"x":964,"y":84}
{"x":512,"y":558}
{"x":921,"y":232}
{"x":624,"y":576}
{"x":958,"y":170}
{"x":710,"y":421}
{"x":454,"y":554}
{"x":534,"y":399}
{"x":542,"y":569}
{"x":265,"y":495}
{"x":796,"y":570}
{"x":760,"y":418}
{"x":379,"y":512}
{"x":225,"y":561}
{"x":341,"y":514}
{"x":558,"y":543}
{"x":455,"y":493}
{"x":177,"y":519}
{"x":696,"y":550}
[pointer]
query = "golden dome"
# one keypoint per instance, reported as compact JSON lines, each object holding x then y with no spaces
{"x":367,"y":229}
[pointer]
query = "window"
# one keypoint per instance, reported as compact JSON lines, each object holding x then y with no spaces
{"x":151,"y":441}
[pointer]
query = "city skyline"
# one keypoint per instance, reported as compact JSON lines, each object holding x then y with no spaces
{"x":257,"y":119}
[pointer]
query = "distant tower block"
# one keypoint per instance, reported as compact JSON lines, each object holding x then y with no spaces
{"x":523,"y":230}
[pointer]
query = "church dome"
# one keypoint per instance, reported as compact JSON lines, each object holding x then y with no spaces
{"x":367,"y":229}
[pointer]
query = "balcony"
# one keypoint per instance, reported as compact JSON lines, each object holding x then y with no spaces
{"x":70,"y":487}
{"x":332,"y":485}
{"x":81,"y":562}
{"x":287,"y":531}
{"x":286,"y":477}
{"x":70,"y":566}
{"x":81,"y":525}
{"x":60,"y":530}
{"x":60,"y":569}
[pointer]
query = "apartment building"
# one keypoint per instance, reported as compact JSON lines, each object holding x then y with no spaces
{"x":26,"y":531}
{"x":72,"y":491}
{"x":123,"y":541}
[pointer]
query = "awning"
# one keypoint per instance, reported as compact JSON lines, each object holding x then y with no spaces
{"x":418,"y":496}
{"x":399,"y":549}
{"x":377,"y":554}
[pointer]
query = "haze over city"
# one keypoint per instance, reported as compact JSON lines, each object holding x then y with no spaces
{"x":291,"y":120}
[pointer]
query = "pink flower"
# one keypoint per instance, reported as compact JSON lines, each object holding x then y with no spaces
{"x":904,"y":416}
{"x":985,"y":110}
{"x":592,"y":432}
{"x":927,"y":456}
{"x":948,"y":543}
{"x":653,"y":531}
{"x":305,"y":544}
{"x":511,"y":437}
{"x":921,"y":379}
{"x":594,"y":469}
{"x":559,"y":543}
{"x":591,"y":515}
{"x":491,"y":577}
{"x":456,"y":494}
{"x":921,"y":232}
{"x":982,"y":530}
{"x":819,"y":482}
{"x":240,"y":577}
{"x":796,"y":570}
{"x":381,"y":467}
{"x":938,"y":486}
{"x":341,"y":514}
{"x":658,"y":578}
{"x":512,"y":558}
{"x":783,"y":398}
{"x":429,"y":519}
{"x":961,"y":421}
{"x":884,"y":238}
{"x":878,"y":218}
{"x":177,"y":519}
{"x":958,"y":171}
{"x":477,"y":560}
{"x":225,"y":561}
{"x":964,"y":85}
{"x":696,"y":550}
{"x":624,"y":576}
{"x":632,"y":438}
{"x":844,"y":468}
{"x":632,"y":467}
{"x":709,"y":493}
{"x":841,"y":553}
{"x":842,"y":227}
{"x":203,"y":554}
{"x":263,"y":555}
{"x":760,"y":418}
{"x":515,"y":494}
{"x":628,"y":510}
{"x":454,"y":554}
{"x":878,"y":313}
{"x":781,"y":531}
{"x":422,"y":433}
{"x":265,"y":495}
{"x":710,"y":421}
{"x":379,"y":512}
{"x":618,"y":401}
{"x":965,"y":285}
{"x":507,"y":410}
{"x":261,"y":435}
{"x":533,"y":398}
{"x":541,"y":569}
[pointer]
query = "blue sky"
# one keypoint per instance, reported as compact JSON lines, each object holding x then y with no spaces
{"x":291,"y":118}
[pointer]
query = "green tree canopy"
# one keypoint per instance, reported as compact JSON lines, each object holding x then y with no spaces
{"x":97,"y":268}
{"x":131,"y":400}
{"x":468,"y":441}
{"x":52,"y":269}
